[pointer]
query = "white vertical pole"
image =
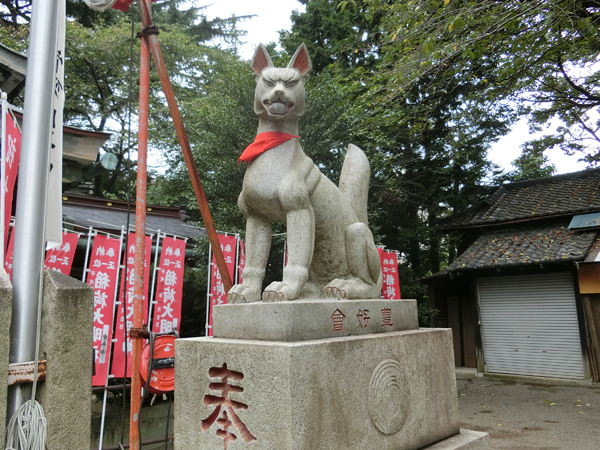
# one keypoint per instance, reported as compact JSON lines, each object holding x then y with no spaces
{"x":237,"y":258}
{"x":108,"y":352}
{"x":33,"y":182}
{"x":148,"y":274}
{"x":87,"y":254}
{"x":152,"y":287}
{"x":208,"y":293}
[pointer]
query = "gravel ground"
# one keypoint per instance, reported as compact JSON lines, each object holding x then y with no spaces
{"x":524,"y":415}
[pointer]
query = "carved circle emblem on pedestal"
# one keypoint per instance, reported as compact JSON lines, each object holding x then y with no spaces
{"x":388,"y":397}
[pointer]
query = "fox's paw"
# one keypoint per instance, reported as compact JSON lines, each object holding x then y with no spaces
{"x":243,"y":294}
{"x":351,"y":288}
{"x":280,"y":290}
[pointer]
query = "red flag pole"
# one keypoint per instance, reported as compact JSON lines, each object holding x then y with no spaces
{"x":140,"y":243}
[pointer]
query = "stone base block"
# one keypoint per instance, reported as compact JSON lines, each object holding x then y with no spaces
{"x":313,"y":319}
{"x":465,"y":440}
{"x":6,"y":293}
{"x":387,"y":391}
{"x":66,"y":340}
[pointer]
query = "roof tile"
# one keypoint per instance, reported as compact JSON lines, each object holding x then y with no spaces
{"x":573,"y":193}
{"x":526,"y":245}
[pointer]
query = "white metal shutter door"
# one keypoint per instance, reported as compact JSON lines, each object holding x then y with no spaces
{"x":529,"y":325}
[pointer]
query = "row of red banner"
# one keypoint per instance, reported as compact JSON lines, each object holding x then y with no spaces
{"x":102,"y":274}
{"x":103,"y":277}
{"x":230,"y":243}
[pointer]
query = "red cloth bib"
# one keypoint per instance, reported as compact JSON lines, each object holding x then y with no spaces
{"x":262,"y":143}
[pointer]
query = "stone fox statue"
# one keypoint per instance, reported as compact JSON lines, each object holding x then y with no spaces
{"x":331,"y":252}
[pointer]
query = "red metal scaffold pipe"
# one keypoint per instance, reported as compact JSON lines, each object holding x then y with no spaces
{"x":150,"y":44}
{"x":140,"y":241}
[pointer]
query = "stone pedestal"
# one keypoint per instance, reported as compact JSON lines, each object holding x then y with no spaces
{"x":303,"y":320}
{"x":65,"y":344}
{"x":66,"y":340}
{"x":371,"y":381}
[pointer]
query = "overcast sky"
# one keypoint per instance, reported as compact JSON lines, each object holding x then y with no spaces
{"x":271,"y":17}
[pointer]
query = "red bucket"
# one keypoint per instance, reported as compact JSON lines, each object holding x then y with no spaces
{"x":162,"y":376}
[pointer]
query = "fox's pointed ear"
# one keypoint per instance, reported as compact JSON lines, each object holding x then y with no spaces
{"x":301,"y":61}
{"x":260,"y":61}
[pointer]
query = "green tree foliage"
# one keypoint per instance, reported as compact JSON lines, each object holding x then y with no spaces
{"x":427,"y":146}
{"x":533,"y":163}
{"x":101,"y":74}
{"x":540,"y":54}
{"x":217,"y":108}
{"x":102,"y":69}
{"x":340,"y":40}
{"x":17,"y":13}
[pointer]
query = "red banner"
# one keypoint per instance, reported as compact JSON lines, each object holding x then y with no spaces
{"x":61,"y":259}
{"x":217,"y":290}
{"x":102,"y":276}
{"x":118,"y":360}
{"x":8,"y":259}
{"x":389,"y":266}
{"x":13,"y":155}
{"x":167,"y":311}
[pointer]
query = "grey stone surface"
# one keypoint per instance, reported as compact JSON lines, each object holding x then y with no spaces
{"x":531,"y":414}
{"x":387,"y":391}
{"x":66,"y":342}
{"x":5,"y":315}
{"x":465,"y":440}
{"x":466,"y":373}
{"x":331,"y":250}
{"x":313,"y":319}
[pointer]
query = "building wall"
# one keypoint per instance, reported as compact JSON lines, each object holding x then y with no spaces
{"x":457,"y":310}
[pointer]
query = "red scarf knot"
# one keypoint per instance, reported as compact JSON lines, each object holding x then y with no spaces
{"x":263,"y":142}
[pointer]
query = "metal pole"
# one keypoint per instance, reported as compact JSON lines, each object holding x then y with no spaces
{"x":208,"y":290}
{"x":91,"y":233}
{"x":153,"y":283}
{"x":147,"y":274}
{"x":33,"y":182}
{"x":237,"y":257}
{"x":140,"y":236}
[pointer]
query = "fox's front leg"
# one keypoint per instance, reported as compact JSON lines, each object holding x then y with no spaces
{"x":300,"y":224}
{"x":258,"y":244}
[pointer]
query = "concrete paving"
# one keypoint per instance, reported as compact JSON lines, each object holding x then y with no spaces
{"x":531,"y":414}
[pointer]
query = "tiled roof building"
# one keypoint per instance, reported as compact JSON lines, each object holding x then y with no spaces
{"x":523,"y":295}
{"x":527,"y":222}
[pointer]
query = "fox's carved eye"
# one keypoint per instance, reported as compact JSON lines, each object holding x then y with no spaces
{"x":269,"y":83}
{"x":291,"y":84}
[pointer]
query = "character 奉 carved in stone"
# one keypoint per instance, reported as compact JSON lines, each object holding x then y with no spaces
{"x":331,"y":252}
